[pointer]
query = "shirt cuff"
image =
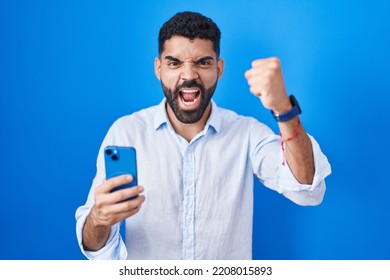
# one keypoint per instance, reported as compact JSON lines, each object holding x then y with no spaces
{"x":313,"y":193}
{"x":115,"y":248}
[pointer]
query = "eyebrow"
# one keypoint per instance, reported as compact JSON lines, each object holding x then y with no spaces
{"x":205,"y":58}
{"x":169,"y":57}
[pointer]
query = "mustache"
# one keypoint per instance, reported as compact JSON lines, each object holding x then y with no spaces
{"x":189,"y":84}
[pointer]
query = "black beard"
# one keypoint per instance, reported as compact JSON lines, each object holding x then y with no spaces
{"x":189,"y":116}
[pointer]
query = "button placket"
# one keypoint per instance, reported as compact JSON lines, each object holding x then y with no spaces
{"x":189,"y":203}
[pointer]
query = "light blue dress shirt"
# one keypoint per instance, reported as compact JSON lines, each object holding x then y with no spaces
{"x":199,"y":195}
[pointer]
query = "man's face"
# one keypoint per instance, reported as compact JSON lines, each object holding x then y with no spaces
{"x":188,"y":71}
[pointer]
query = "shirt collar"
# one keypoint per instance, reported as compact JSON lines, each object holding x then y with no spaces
{"x":215,"y":118}
{"x":214,"y":121}
{"x":161,"y":117}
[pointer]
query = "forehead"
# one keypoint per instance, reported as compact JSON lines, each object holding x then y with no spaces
{"x":184,"y":48}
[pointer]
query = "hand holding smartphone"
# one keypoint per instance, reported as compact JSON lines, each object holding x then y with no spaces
{"x":120,"y":161}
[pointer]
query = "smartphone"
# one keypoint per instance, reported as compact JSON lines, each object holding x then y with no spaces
{"x":119,"y":161}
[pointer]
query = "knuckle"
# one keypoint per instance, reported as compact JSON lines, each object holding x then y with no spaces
{"x":108,"y":184}
{"x":98,"y":201}
{"x":129,"y":205}
{"x":274,"y":63}
{"x":104,"y":213}
{"x":120,"y":196}
{"x":98,"y":204}
{"x":269,"y":74}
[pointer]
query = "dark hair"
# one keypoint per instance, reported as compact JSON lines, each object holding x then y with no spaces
{"x":190,"y":25}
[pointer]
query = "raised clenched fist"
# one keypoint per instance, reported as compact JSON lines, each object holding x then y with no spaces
{"x":265,"y":79}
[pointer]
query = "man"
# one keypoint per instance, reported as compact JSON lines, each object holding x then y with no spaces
{"x":196,"y":161}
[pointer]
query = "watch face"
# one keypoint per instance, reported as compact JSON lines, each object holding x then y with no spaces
{"x":294,"y":102}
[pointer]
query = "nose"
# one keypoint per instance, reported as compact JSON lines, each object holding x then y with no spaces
{"x":189,"y":72}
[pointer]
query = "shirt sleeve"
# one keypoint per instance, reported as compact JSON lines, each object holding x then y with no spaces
{"x":114,"y":249}
{"x":267,"y":163}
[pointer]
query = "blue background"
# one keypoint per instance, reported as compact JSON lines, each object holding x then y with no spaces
{"x":68,"y":69}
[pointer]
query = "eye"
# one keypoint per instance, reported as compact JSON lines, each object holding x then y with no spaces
{"x":204,"y":62}
{"x":173,"y":63}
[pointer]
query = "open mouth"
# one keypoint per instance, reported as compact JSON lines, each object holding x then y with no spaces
{"x":189,"y":96}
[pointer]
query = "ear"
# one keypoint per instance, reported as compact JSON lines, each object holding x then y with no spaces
{"x":157,"y":68}
{"x":220,"y":67}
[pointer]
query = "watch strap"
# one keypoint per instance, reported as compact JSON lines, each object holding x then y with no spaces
{"x":295,"y":111}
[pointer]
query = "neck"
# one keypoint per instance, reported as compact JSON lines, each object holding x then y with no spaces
{"x":185,"y":130}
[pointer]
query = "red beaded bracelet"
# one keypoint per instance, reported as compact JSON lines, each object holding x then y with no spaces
{"x":282,"y":141}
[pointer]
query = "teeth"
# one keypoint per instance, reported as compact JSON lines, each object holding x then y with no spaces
{"x":189,"y":90}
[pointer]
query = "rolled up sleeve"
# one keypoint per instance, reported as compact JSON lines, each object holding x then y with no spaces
{"x":114,"y":249}
{"x":268,"y":158}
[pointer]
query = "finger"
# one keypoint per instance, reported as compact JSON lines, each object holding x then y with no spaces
{"x":256,"y":90}
{"x":256,"y":72}
{"x":262,"y":65}
{"x":254,"y":76}
{"x":123,"y":194}
{"x":248,"y":74}
{"x":115,"y":213}
{"x":134,"y":203}
{"x":124,"y":206}
{"x":258,"y":62}
{"x":266,"y":61}
{"x":257,"y":83}
{"x":114,"y":182}
{"x":124,"y":215}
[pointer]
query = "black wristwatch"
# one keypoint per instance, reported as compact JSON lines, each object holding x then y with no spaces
{"x":295,"y":111}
